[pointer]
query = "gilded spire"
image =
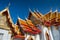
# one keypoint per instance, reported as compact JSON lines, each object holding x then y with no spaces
{"x":56,"y":10}
{"x":38,"y":11}
{"x":18,"y":17}
{"x":26,"y":19}
{"x":34,"y":10}
{"x":51,"y":13}
{"x":51,"y":10}
{"x":30,"y":10}
{"x":8,"y":5}
{"x":56,"y":15}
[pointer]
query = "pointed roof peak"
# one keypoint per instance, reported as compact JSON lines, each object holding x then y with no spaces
{"x":18,"y":17}
{"x":34,"y":10}
{"x":51,"y":10}
{"x":30,"y":10}
{"x":6,"y":9}
{"x":8,"y":6}
{"x":26,"y":19}
{"x":56,"y":10}
{"x":37,"y":10}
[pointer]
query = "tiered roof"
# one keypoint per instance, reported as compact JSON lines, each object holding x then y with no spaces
{"x":5,"y":19}
{"x":35,"y":17}
{"x":18,"y":32}
{"x":7,"y":24}
{"x":28,"y":27}
{"x":47,"y":18}
{"x":32,"y":26}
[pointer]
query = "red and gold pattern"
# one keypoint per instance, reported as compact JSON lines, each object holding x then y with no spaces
{"x":29,"y":22}
{"x":47,"y":23}
{"x":27,"y":28}
{"x":18,"y":36}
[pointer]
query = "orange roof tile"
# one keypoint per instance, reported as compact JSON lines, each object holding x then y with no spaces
{"x":33,"y":26}
{"x":26,"y":28}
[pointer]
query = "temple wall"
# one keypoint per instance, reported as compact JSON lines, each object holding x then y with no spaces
{"x":4,"y":35}
{"x":55,"y":33}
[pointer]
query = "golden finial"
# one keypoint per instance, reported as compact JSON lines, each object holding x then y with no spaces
{"x":38,"y":11}
{"x":51,"y":10}
{"x":30,"y":10}
{"x":8,"y":6}
{"x":56,"y":10}
{"x":18,"y":17}
{"x":26,"y":18}
{"x":34,"y":10}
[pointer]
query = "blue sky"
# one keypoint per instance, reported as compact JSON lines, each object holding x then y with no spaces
{"x":21,"y":7}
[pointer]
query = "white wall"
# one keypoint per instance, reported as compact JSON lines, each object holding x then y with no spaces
{"x":29,"y":36}
{"x":55,"y":33}
{"x":6,"y":35}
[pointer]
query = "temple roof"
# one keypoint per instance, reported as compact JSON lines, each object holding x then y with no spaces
{"x":31,"y":25}
{"x":35,"y":17}
{"x":7,"y":23}
{"x":26,"y":27}
{"x":18,"y":32}
{"x":50,"y":16}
